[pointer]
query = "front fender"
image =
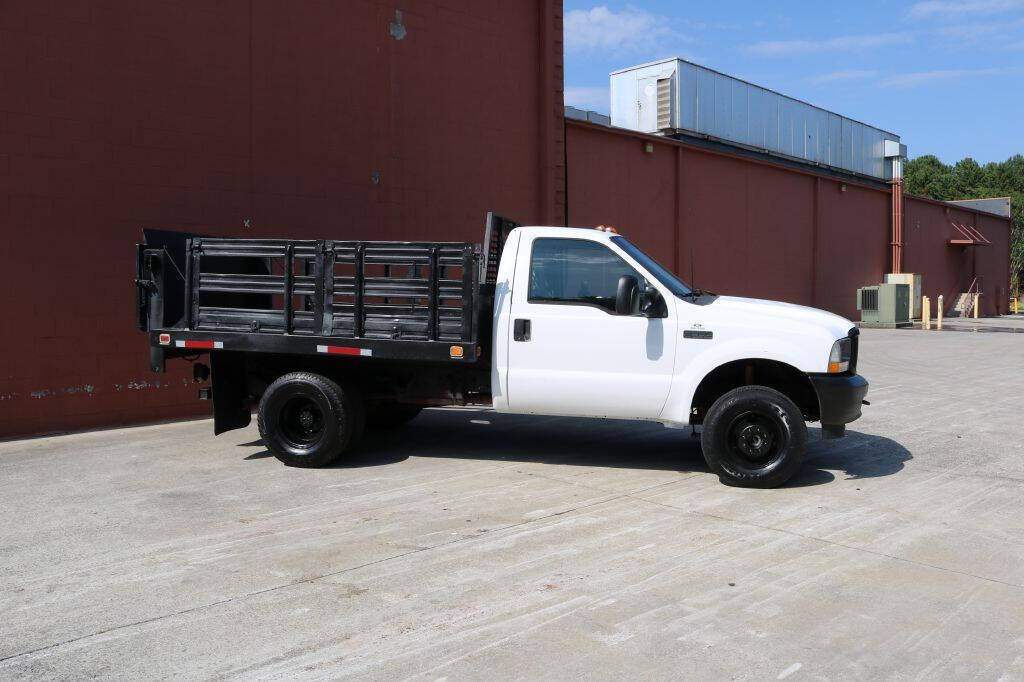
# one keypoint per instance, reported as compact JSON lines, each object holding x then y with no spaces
{"x":694,"y":363}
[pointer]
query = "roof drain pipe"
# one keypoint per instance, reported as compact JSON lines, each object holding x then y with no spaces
{"x":896,"y":152}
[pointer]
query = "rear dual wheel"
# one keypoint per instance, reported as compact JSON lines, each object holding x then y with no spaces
{"x":307,"y":420}
{"x":754,"y":437}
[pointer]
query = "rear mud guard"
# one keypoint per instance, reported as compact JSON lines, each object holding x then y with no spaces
{"x":230,"y":408}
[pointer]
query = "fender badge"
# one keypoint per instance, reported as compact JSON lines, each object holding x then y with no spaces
{"x":697,"y":334}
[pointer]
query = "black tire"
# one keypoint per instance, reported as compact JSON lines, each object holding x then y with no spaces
{"x":390,"y":414}
{"x":307,"y":420}
{"x":754,"y":437}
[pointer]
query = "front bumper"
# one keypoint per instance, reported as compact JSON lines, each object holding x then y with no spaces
{"x":839,"y":397}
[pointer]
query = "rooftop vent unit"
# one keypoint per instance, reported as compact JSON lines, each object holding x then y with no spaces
{"x":677,"y":97}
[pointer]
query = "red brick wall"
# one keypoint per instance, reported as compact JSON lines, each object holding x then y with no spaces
{"x":760,"y":229}
{"x":306,"y":119}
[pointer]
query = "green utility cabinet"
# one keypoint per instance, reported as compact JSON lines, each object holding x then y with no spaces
{"x":884,"y":305}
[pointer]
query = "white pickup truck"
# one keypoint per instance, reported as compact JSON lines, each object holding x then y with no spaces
{"x":327,"y":338}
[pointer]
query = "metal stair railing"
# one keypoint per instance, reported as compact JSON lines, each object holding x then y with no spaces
{"x":975,"y":288}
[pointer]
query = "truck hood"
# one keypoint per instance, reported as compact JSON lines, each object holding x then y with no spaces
{"x":781,"y":316}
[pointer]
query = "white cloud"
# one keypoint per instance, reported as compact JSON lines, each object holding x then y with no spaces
{"x":776,"y":48}
{"x":915,"y":78}
{"x":952,"y":9}
{"x":594,"y":99}
{"x":850,"y":75}
{"x":979,"y":30}
{"x":600,"y":28}
{"x":994,"y":34}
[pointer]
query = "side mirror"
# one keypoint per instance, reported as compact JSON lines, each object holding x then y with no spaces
{"x":652,"y":304}
{"x":627,"y":296}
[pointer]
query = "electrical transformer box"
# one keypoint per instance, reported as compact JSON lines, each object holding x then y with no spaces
{"x":913,"y":280}
{"x":884,"y":305}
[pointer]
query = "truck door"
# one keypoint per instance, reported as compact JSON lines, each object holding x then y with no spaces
{"x":569,"y":353}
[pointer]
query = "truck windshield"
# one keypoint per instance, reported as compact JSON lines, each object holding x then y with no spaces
{"x":674,"y":284}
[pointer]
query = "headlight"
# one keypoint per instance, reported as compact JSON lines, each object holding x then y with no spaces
{"x":839,"y":358}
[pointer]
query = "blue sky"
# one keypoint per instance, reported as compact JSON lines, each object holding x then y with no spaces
{"x":946,"y":76}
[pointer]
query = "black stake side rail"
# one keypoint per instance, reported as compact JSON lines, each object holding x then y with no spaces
{"x":397,"y":300}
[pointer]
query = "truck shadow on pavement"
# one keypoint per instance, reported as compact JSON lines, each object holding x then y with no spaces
{"x":490,"y":436}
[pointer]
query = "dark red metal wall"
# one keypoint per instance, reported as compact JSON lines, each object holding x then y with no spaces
{"x":312,"y":119}
{"x":753,"y":228}
{"x":928,"y":227}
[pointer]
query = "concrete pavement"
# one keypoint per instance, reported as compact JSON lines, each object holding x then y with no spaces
{"x":473,"y":545}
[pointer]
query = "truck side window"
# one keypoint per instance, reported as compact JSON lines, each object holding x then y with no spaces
{"x":576,"y":271}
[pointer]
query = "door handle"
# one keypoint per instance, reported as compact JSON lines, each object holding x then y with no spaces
{"x":521,"y":330}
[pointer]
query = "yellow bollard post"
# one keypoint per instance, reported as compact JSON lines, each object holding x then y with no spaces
{"x":976,"y":296}
{"x":926,"y":313}
{"x":938,"y":313}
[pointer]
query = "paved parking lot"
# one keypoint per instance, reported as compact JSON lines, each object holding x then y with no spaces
{"x":476,"y":545}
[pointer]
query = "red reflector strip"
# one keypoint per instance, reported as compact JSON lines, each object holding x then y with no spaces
{"x":344,"y":350}
{"x":209,"y":345}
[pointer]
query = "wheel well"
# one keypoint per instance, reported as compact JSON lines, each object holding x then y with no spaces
{"x":784,"y":378}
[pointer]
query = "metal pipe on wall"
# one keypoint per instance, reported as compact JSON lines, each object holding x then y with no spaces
{"x":545,"y":100}
{"x":897,"y":214}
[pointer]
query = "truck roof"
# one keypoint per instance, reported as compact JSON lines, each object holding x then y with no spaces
{"x":566,"y":232}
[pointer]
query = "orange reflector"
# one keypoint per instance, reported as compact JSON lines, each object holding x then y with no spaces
{"x":833,"y":368}
{"x":455,"y":351}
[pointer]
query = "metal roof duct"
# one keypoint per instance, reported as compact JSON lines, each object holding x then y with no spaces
{"x":674,"y":96}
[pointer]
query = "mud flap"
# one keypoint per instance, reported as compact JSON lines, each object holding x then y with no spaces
{"x":230,"y":408}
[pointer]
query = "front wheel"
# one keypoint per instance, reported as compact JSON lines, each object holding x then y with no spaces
{"x":754,"y":437}
{"x":307,"y":420}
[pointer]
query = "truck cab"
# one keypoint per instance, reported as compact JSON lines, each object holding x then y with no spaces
{"x":587,"y":324}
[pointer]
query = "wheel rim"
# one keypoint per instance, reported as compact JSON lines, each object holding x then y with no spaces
{"x":302,"y":422}
{"x":756,"y":438}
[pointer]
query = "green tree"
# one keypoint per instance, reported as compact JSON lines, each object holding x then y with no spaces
{"x":928,"y":176}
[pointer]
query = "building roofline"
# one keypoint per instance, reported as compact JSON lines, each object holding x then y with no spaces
{"x":1008,"y":200}
{"x":780,"y":163}
{"x":726,"y":149}
{"x":960,"y":207}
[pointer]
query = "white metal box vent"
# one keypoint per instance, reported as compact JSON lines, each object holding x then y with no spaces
{"x":664,"y":103}
{"x":674,"y":96}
